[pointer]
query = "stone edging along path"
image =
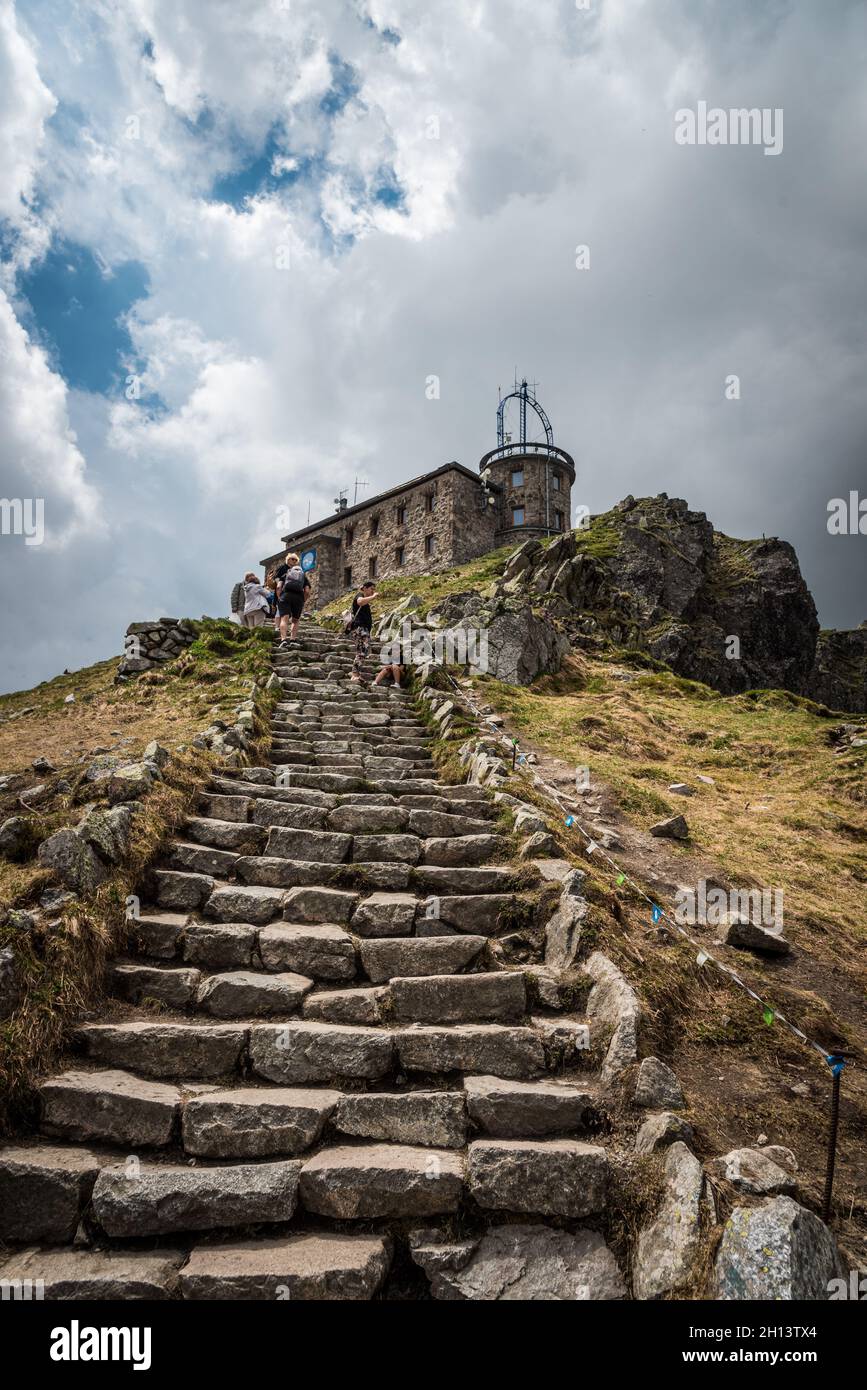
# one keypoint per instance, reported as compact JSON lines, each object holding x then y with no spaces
{"x":321,"y":1077}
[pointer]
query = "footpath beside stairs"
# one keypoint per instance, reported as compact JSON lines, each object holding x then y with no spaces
{"x":315,"y":1065}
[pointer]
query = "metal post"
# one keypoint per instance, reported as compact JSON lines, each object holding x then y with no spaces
{"x":836,"y":1062}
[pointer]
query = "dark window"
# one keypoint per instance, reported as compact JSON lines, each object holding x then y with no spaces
{"x":350,"y":535}
{"x":555,"y":479}
{"x":430,"y":501}
{"x":517,"y":516}
{"x":517,"y":477}
{"x":559,"y":519}
{"x":374,"y":525}
{"x":401,"y":515}
{"x":347,"y":578}
{"x":371,"y":567}
{"x":429,"y":545}
{"x":399,"y":555}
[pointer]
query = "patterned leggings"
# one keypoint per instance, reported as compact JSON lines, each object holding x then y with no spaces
{"x":362,"y":648}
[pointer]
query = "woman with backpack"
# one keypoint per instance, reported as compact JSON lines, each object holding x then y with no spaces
{"x":361,"y":624}
{"x":255,"y":602}
{"x":293,"y":586}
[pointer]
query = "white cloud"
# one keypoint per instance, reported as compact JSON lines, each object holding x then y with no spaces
{"x":39,"y":454}
{"x":554,"y":127}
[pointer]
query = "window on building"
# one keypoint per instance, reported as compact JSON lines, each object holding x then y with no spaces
{"x":430,"y":545}
{"x":430,"y":501}
{"x":555,"y":481}
{"x":371,"y":567}
{"x":517,"y":477}
{"x":374,"y":525}
{"x":401,"y":514}
{"x":517,"y":516}
{"x":558,"y":517}
{"x":349,"y":536}
{"x":347,"y":577}
{"x":399,"y":555}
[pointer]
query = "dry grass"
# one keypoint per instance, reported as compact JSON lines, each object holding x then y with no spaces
{"x":785,"y":810}
{"x":62,"y":960}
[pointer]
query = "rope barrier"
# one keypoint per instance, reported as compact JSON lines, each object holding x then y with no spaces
{"x":835,"y":1060}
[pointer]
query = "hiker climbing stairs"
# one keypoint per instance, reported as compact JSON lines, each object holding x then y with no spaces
{"x":314,"y":1052}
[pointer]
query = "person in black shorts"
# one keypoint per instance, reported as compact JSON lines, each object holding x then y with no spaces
{"x":362,"y":622}
{"x":293,"y":586}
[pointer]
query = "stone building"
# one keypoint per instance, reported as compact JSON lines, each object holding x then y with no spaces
{"x":442,"y":518}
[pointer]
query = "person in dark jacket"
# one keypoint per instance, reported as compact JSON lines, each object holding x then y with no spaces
{"x":362,"y":623}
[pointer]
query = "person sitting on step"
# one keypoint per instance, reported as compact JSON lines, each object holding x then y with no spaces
{"x":362,"y":623}
{"x":394,"y":673}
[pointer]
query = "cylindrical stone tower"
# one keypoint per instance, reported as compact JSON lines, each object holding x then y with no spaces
{"x":530,"y":480}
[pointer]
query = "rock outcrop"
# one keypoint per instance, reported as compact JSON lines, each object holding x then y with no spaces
{"x":734,"y":614}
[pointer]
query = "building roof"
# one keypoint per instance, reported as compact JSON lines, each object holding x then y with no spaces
{"x":327,"y":521}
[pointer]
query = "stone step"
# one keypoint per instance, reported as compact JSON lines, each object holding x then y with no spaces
{"x":312,"y":1266}
{"x":174,"y":986}
{"x":195,"y":1051}
{"x":159,"y":1199}
{"x":253,"y":904}
{"x":483,"y":1048}
{"x":487,"y":879}
{"x":95,"y":1275}
{"x":108,"y":1106}
{"x":435,"y":1119}
{"x":463,"y":851}
{"x":158,"y":934}
{"x":321,"y":846}
{"x":255,"y":1121}
{"x":384,"y":914}
{"x":298,"y":1053}
{"x":227,"y":835}
{"x":362,"y":1005}
{"x":220,"y":946}
{"x":382,"y":1181}
{"x":44,"y":1189}
{"x":252,"y":994}
{"x":320,"y":950}
{"x":200,"y":859}
{"x":477,"y":998}
{"x":383,"y":960}
{"x":547,"y":1177}
{"x":182,"y":890}
{"x":218,"y":807}
{"x":516,"y":1109}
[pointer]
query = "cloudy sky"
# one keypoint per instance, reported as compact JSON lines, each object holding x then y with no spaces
{"x":237,"y":239}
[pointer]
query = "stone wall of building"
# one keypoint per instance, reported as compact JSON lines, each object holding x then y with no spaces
{"x":542,"y":516}
{"x":440,"y":521}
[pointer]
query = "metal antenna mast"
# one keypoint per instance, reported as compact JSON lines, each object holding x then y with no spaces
{"x":358,"y":483}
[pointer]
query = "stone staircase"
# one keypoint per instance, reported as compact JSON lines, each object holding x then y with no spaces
{"x":316,"y":1061}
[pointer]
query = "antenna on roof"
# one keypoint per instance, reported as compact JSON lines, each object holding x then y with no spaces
{"x":358,"y":483}
{"x":308,"y":511}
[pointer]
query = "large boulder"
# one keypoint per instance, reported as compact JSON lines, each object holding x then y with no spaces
{"x":519,"y":1264}
{"x":839,"y":674}
{"x":778,"y":1251}
{"x":73,"y":860}
{"x":669,"y":1245}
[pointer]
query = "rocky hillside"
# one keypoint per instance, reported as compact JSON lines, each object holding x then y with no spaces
{"x":734,"y":614}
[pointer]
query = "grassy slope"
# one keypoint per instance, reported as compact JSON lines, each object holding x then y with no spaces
{"x":62,"y":960}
